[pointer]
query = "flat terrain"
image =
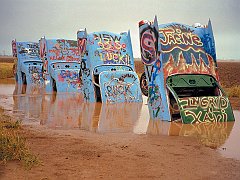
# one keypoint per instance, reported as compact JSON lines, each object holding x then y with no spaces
{"x":80,"y":154}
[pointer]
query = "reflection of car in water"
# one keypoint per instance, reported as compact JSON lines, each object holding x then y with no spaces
{"x":60,"y":65}
{"x":212,"y":135}
{"x":26,"y":106}
{"x":107,"y":67}
{"x":61,"y":110}
{"x":28,"y":67}
{"x":181,"y":77}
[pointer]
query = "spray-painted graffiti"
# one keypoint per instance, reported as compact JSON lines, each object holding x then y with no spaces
{"x":104,"y":53}
{"x":187,"y":50}
{"x":28,"y":50}
{"x":62,"y":49}
{"x":61,"y":67}
{"x":28,"y":69}
{"x":82,"y":46}
{"x":43,"y":55}
{"x":205,"y":109}
{"x":88,"y":92}
{"x":36,"y":75}
{"x":111,"y":49}
{"x":179,"y":36}
{"x":182,"y":67}
{"x":151,"y":58}
{"x":71,"y":77}
{"x":148,"y":44}
{"x":120,"y":87}
{"x":14,"y":48}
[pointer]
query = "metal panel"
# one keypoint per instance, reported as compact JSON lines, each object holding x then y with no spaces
{"x":29,"y":65}
{"x":61,"y":67}
{"x":152,"y":60}
{"x":102,"y":52}
{"x":119,"y":86}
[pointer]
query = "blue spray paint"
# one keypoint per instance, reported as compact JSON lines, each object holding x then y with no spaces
{"x":103,"y":52}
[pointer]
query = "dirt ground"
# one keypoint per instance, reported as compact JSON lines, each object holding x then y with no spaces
{"x":78,"y":154}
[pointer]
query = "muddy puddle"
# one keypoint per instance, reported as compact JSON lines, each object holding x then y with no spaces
{"x":68,"y":111}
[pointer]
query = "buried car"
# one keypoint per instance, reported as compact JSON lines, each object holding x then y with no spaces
{"x":181,"y":76}
{"x":28,"y":67}
{"x":107,"y":67}
{"x":60,"y":65}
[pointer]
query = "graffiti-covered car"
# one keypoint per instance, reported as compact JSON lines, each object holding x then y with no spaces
{"x":28,"y":68}
{"x":181,"y":73}
{"x":60,"y":65}
{"x":107,"y":67}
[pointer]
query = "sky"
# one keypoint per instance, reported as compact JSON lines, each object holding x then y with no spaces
{"x":29,"y":20}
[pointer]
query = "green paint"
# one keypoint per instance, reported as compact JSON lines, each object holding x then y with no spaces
{"x":200,"y":98}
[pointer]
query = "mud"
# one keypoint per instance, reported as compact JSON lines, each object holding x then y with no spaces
{"x":68,"y":111}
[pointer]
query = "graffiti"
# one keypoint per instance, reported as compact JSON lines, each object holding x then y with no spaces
{"x":14,"y":48}
{"x":117,"y":89}
{"x":205,"y":109}
{"x":82,"y":46}
{"x":151,"y":58}
{"x":105,"y":53}
{"x":87,"y":83}
{"x":110,"y":49}
{"x":36,"y":75}
{"x":187,"y":50}
{"x":181,"y":66}
{"x":120,"y":86}
{"x":43,"y":55}
{"x":71,"y":77}
{"x":148,"y":44}
{"x":155,"y":100}
{"x":66,"y":50}
{"x":179,"y":36}
{"x":107,"y":37}
{"x":174,"y":50}
{"x":28,"y":50}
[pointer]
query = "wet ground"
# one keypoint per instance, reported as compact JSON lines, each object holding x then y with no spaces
{"x":67,"y":111}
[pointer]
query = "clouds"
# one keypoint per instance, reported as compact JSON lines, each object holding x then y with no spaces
{"x":31,"y":19}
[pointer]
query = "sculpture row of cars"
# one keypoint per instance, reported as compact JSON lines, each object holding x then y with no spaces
{"x":180,"y":79}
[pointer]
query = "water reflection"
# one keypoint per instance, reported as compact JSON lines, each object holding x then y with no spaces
{"x":89,"y":118}
{"x":69,"y":111}
{"x":25,"y":106}
{"x":231,"y":148}
{"x":100,"y":117}
{"x":120,"y":117}
{"x":7,"y":86}
{"x":61,"y":110}
{"x":212,"y":135}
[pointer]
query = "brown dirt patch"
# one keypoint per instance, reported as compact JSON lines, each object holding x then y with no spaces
{"x":79,"y":154}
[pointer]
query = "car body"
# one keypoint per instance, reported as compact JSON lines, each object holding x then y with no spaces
{"x":60,"y":65}
{"x":107,"y":67}
{"x":28,"y":68}
{"x":181,"y":73}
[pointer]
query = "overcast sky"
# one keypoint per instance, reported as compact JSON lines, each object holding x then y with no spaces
{"x":29,"y":20}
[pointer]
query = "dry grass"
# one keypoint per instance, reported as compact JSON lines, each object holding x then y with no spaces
{"x":233,"y":91}
{"x":12,"y":144}
{"x":6,"y":70}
